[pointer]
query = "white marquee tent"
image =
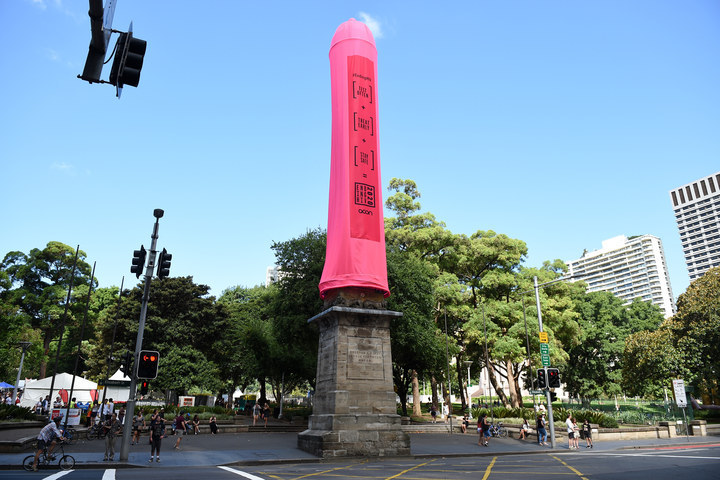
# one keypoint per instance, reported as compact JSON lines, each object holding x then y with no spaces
{"x":38,"y":389}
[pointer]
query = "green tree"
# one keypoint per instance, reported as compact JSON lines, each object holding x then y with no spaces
{"x":696,"y":333}
{"x":596,"y":364}
{"x":416,"y":346}
{"x":36,"y":285}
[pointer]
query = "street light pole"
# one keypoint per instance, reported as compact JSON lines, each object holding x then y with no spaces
{"x":468,"y":363}
{"x":24,"y":346}
{"x":130,"y":408}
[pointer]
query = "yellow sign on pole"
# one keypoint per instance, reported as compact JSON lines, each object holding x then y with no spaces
{"x":543,"y":337}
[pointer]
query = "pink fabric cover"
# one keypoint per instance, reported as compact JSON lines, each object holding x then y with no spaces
{"x":355,"y":255}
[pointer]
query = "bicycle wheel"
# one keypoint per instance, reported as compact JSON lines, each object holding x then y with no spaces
{"x":28,"y":461}
{"x":66,"y":462}
{"x":91,"y":433}
{"x":503,"y":432}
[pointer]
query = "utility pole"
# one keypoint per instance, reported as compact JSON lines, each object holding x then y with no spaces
{"x":24,"y":346}
{"x":130,"y":408}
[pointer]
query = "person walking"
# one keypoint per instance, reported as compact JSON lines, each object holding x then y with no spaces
{"x":433,"y":412}
{"x":570,"y":432}
{"x":112,"y":428}
{"x":157,"y":431}
{"x":138,"y":421}
{"x":213,"y":425}
{"x":180,"y":429}
{"x":266,"y":413}
{"x":483,"y":430}
{"x":47,"y":439}
{"x":587,"y":433}
{"x":540,"y":427}
{"x":256,"y":409}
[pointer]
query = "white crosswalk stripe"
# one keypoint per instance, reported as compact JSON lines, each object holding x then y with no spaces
{"x":250,"y":476}
{"x":55,"y":476}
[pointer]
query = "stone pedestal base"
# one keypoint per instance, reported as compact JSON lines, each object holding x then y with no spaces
{"x":354,"y":411}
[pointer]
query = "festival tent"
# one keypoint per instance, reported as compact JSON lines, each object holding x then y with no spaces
{"x":118,"y":387}
{"x":37,"y":390}
{"x":6,"y":385}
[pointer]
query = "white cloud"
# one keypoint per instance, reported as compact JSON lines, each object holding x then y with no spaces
{"x":39,"y":4}
{"x":373,"y":24}
{"x":63,"y":167}
{"x":53,"y":55}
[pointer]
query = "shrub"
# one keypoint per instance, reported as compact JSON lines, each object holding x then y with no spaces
{"x":13,"y":412}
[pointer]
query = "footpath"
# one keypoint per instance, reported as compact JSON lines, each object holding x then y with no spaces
{"x":276,"y":446}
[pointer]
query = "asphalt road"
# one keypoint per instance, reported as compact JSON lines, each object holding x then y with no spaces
{"x":657,"y":463}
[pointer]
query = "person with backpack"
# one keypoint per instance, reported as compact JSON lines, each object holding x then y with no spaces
{"x":483,"y":430}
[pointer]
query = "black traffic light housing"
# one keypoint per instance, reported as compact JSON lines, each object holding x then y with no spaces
{"x":164,"y":264}
{"x":148,"y":364}
{"x":144,"y":386}
{"x":126,"y":363}
{"x":138,"y":261}
{"x":541,"y":379}
{"x":128,"y":61}
{"x":553,"y":397}
{"x":553,"y":379}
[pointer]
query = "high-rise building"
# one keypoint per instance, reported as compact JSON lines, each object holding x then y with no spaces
{"x":697,"y":213}
{"x":630,"y":268}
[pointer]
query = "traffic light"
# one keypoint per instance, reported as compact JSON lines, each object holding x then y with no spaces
{"x":138,"y":261}
{"x":553,"y":396}
{"x":128,"y":62}
{"x":144,"y":386}
{"x":164,"y":264}
{"x":541,"y":379}
{"x":553,"y":380}
{"x":126,"y":363}
{"x":148,"y":364}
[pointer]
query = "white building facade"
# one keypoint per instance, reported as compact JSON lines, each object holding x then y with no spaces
{"x":630,"y":268}
{"x":697,"y":213}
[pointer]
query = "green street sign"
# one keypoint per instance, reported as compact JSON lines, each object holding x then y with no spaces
{"x":545,"y":359}
{"x":544,"y":349}
{"x":537,"y":392}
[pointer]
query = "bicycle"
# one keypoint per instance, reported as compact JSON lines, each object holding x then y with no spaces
{"x":96,"y":431}
{"x":498,"y":430}
{"x":70,"y":435}
{"x":66,"y":462}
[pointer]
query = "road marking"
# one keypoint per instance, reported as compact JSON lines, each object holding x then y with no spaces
{"x":693,"y":457}
{"x":240,"y":472}
{"x":109,"y":474}
{"x":573,"y":469}
{"x":55,"y":476}
{"x":410,"y":469}
{"x":487,"y":470}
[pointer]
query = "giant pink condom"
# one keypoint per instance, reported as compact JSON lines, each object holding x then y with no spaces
{"x":355,"y":255}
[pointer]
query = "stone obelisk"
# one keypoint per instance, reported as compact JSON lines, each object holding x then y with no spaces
{"x":354,"y":407}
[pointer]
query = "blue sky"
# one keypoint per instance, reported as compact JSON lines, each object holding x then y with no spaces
{"x":561,"y":123}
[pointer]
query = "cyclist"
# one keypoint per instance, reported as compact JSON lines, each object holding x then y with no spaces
{"x":46,"y":439}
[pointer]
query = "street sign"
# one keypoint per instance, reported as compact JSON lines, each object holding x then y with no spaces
{"x":679,"y":391}
{"x":545,"y":360}
{"x":537,"y":392}
{"x":543,"y":337}
{"x":545,"y":354}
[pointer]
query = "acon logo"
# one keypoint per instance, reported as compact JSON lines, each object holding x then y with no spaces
{"x":365,"y":212}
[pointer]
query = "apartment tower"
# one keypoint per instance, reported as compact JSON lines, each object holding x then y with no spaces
{"x":630,"y":268}
{"x":697,"y":213}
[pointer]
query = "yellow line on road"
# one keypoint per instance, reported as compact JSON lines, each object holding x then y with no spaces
{"x":487,"y":470}
{"x":570,"y":467}
{"x":329,"y":471}
{"x":410,"y":469}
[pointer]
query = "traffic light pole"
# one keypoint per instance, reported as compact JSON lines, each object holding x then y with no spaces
{"x":551,"y":421}
{"x":130,"y":408}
